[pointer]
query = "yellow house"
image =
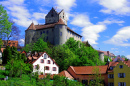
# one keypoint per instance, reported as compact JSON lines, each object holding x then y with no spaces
{"x":119,"y":73}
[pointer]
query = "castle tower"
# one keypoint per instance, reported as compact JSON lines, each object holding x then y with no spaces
{"x":29,"y":34}
{"x":52,"y":17}
{"x":60,"y":33}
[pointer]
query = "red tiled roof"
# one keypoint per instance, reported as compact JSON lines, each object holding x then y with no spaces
{"x":66,"y":74}
{"x":89,"y":69}
{"x":39,"y":27}
{"x":115,"y":63}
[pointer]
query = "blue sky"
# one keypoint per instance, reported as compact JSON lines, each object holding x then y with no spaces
{"x":104,"y":23}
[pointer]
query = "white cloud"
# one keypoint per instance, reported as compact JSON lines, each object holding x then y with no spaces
{"x":19,"y":12}
{"x":117,"y":7}
{"x":21,"y":41}
{"x":121,"y":38}
{"x":81,"y":20}
{"x":38,"y":16}
{"x":90,"y":32}
{"x":128,"y":56}
{"x":65,"y":4}
{"x":111,"y":21}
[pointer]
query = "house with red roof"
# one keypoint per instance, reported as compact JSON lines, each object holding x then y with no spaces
{"x":85,"y":73}
{"x":43,"y":63}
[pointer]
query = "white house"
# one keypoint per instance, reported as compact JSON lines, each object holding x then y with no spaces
{"x":46,"y":64}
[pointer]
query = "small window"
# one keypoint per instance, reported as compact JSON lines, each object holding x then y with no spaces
{"x":47,"y":68}
{"x":52,"y":30}
{"x":48,"y":62}
{"x":35,"y":66}
{"x":45,"y":56}
{"x":121,"y":84}
{"x":51,"y":15}
{"x":110,"y":75}
{"x":47,"y":31}
{"x":47,"y":38}
{"x":42,"y":61}
{"x":121,"y":66}
{"x":43,"y":31}
{"x":111,"y":68}
{"x":121,"y":75}
{"x":60,"y":33}
{"x":110,"y":84}
{"x":54,"y":68}
{"x":63,"y":17}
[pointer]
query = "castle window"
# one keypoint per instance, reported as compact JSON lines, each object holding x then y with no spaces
{"x":60,"y":33}
{"x":47,"y":38}
{"x":47,"y":31}
{"x":43,"y":31}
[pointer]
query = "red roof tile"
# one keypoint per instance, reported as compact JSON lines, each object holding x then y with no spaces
{"x":66,"y":74}
{"x":89,"y":69}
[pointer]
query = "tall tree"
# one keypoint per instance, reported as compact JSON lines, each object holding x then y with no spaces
{"x":5,"y":25}
{"x":15,"y":32}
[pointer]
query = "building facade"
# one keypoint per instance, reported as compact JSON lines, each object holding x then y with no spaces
{"x":55,"y":29}
{"x":43,"y":63}
{"x":119,"y":72}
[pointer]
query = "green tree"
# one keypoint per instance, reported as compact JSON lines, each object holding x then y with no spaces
{"x":40,"y":46}
{"x":7,"y":55}
{"x":96,"y":79}
{"x":28,"y":47}
{"x":5,"y":25}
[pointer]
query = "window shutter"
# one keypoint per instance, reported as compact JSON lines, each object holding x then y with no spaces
{"x":124,"y":74}
{"x":118,"y":83}
{"x":124,"y":84}
{"x":119,"y":75}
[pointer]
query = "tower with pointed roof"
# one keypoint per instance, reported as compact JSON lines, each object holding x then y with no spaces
{"x":55,"y":29}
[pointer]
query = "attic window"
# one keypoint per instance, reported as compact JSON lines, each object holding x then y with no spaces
{"x":45,"y":56}
{"x":121,"y":66}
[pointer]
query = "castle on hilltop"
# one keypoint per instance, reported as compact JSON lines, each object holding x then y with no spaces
{"x":55,"y":29}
